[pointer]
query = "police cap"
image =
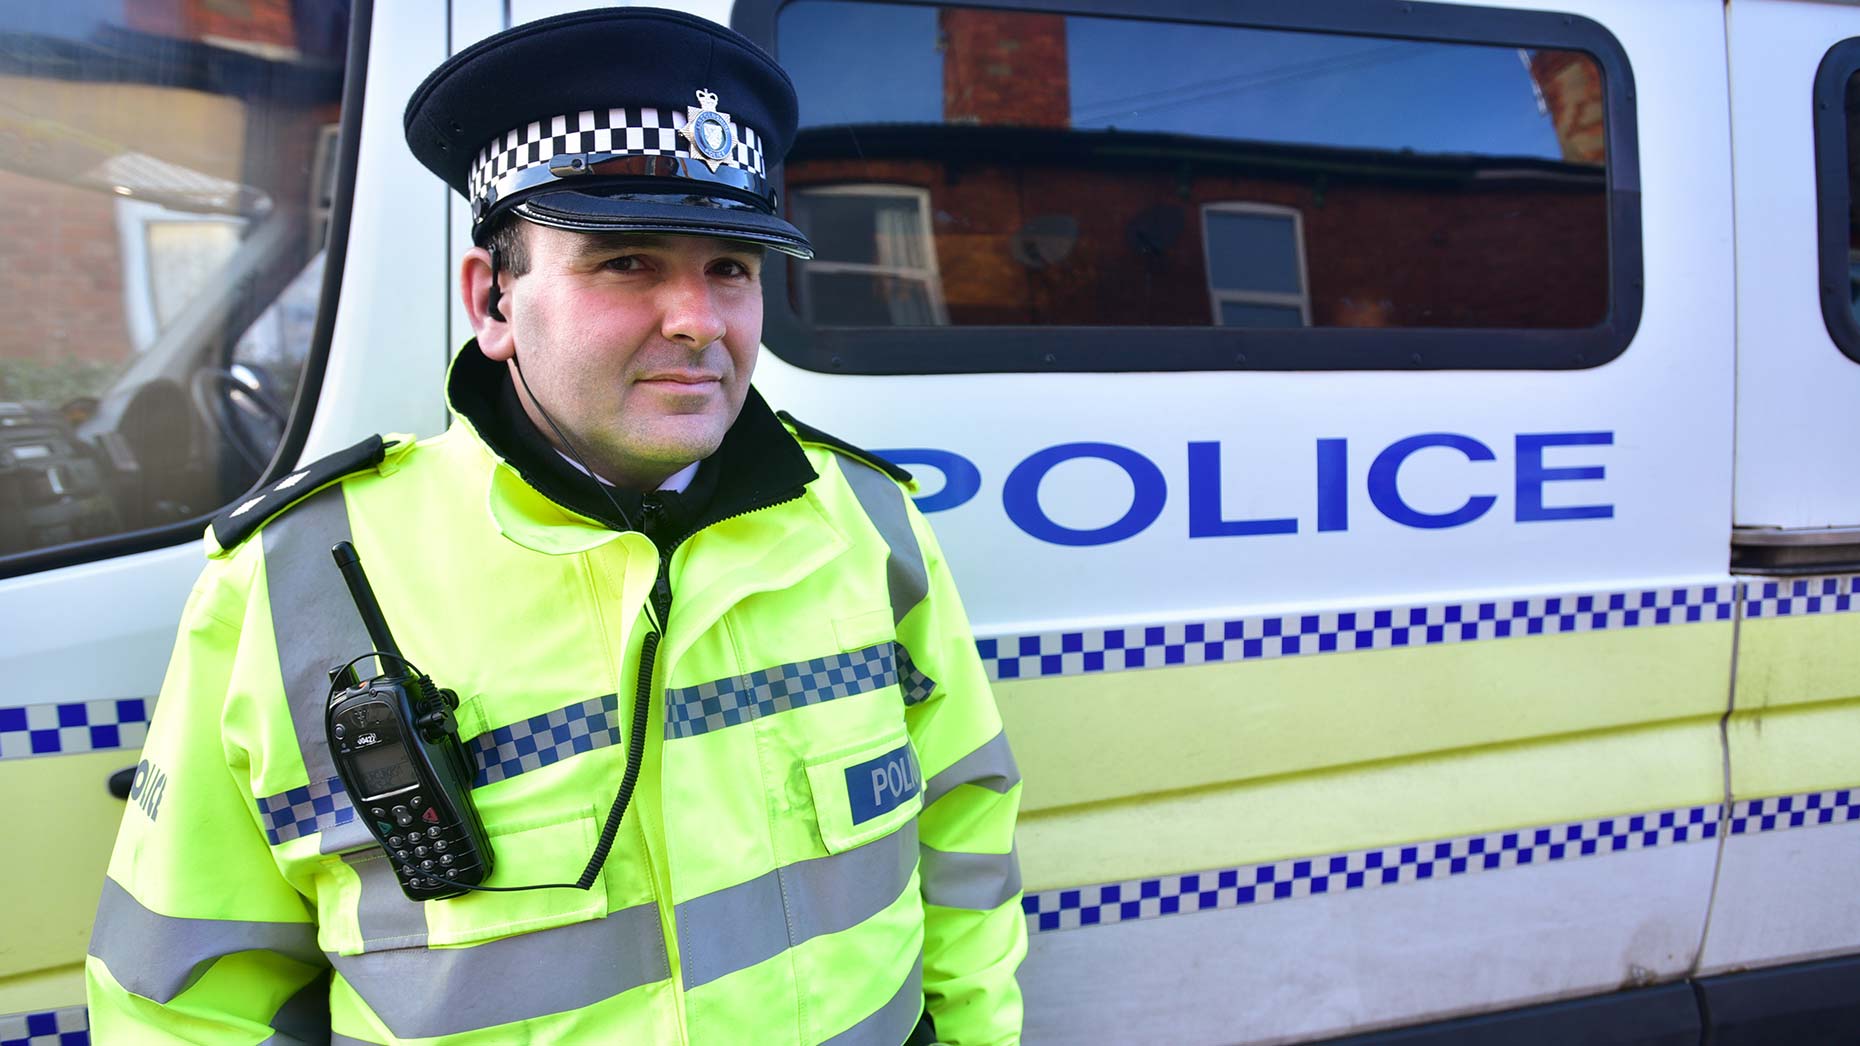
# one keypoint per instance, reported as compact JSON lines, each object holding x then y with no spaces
{"x":629,"y":118}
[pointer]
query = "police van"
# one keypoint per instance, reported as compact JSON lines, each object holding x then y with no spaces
{"x":1397,"y":456}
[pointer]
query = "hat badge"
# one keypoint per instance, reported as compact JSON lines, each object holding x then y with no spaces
{"x":710,"y":133}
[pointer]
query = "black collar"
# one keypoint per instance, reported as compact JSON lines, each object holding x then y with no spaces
{"x":758,"y":464}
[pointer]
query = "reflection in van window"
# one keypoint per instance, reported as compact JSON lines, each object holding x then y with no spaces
{"x":166,"y":176}
{"x":1853,"y":194}
{"x":1107,"y":171}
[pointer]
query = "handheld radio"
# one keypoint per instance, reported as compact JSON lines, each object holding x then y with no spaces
{"x":396,"y":747}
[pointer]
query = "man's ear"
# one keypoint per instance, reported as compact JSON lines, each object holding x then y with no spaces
{"x":495,"y":338}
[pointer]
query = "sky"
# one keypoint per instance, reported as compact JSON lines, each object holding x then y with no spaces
{"x":878,"y":63}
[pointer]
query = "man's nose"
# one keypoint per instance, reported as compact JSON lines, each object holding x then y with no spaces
{"x":690,"y":314}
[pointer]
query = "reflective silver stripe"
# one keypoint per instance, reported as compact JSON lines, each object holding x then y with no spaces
{"x":386,"y":918}
{"x":991,"y":766}
{"x":892,"y":1023}
{"x":739,"y":926}
{"x":159,"y":956}
{"x":316,"y":628}
{"x":883,"y":502}
{"x":339,"y":1039}
{"x":424,"y":992}
{"x":303,"y":1020}
{"x":980,"y":882}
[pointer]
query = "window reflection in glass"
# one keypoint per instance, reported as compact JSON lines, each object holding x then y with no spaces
{"x":1100,"y":171}
{"x":1853,"y":194}
{"x":165,"y":177}
{"x":874,"y":263}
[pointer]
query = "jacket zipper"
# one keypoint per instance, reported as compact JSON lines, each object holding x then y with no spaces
{"x":651,"y":509}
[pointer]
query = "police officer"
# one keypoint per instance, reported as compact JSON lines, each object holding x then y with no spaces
{"x":628,"y":568}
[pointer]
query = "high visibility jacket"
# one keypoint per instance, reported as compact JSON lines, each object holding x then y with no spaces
{"x":821,"y":840}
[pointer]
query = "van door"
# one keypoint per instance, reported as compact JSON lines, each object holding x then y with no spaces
{"x":1326,"y":410}
{"x":1783,"y":892}
{"x":178,"y":182}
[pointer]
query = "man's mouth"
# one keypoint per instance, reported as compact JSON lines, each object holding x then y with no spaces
{"x":681,"y":378}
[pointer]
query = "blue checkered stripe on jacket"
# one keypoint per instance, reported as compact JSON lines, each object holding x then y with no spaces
{"x":1296,"y":634}
{"x":545,"y":739}
{"x":66,"y":1027}
{"x":735,"y":700}
{"x":1364,"y":869}
{"x":497,"y":754}
{"x":297,"y":812}
{"x":65,"y":728}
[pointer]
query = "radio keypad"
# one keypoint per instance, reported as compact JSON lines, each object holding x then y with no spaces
{"x":431,"y":851}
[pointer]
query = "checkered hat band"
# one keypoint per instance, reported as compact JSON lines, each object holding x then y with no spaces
{"x":620,"y":132}
{"x":735,"y":700}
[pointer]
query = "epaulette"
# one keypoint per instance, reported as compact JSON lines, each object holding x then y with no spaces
{"x":242,"y":520}
{"x":810,"y":434}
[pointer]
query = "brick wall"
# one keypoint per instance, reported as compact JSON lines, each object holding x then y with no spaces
{"x":266,"y":22}
{"x":1004,"y":68}
{"x":1377,"y":254}
{"x":61,"y":274}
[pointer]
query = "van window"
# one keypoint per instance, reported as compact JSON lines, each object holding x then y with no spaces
{"x":1837,"y":168}
{"x":1311,"y":195}
{"x":167,"y":185}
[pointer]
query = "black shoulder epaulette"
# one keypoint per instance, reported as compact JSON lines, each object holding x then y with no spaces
{"x":810,"y":434}
{"x":239,"y":522}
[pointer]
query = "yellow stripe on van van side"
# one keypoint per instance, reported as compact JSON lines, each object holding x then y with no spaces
{"x":1796,"y":723}
{"x":1158,"y":770}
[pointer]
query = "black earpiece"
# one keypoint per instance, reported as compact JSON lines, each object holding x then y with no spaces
{"x":495,"y":295}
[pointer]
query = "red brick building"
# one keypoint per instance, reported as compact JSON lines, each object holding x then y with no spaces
{"x":1035,"y":222}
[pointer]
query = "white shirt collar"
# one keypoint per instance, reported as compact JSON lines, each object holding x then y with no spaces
{"x":676,"y":482}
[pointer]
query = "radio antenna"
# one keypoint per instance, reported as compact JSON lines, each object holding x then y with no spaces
{"x":364,"y":595}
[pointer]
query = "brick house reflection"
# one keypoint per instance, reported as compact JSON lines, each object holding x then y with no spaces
{"x":164,"y":102}
{"x":1035,"y":222}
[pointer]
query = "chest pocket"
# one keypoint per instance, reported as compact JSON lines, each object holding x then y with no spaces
{"x":867,"y":792}
{"x":361,"y":909}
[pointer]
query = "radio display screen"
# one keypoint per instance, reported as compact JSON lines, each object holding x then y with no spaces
{"x":384,"y":768}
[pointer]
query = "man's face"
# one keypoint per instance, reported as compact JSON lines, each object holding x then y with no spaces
{"x":639,"y":346}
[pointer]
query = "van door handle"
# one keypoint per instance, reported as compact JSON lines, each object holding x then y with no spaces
{"x":121,"y":780}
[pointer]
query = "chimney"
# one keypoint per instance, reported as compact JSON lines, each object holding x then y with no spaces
{"x":1004,"y":68}
{"x":1571,"y":85}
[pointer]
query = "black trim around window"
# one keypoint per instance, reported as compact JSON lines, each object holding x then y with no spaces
{"x":297,"y":432}
{"x":1023,"y":349}
{"x":1834,"y":195}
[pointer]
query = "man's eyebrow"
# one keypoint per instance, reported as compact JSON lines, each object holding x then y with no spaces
{"x":589,"y":244}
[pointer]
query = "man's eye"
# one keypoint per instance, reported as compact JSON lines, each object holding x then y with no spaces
{"x":625,"y":263}
{"x":732,"y":268}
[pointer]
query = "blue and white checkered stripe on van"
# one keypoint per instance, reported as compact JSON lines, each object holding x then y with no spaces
{"x":78,"y":726}
{"x":1751,"y":816}
{"x":1301,"y":877}
{"x":88,"y":726}
{"x":1364,"y":869}
{"x":66,"y":1027}
{"x":1338,"y":631}
{"x":1812,"y":595}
